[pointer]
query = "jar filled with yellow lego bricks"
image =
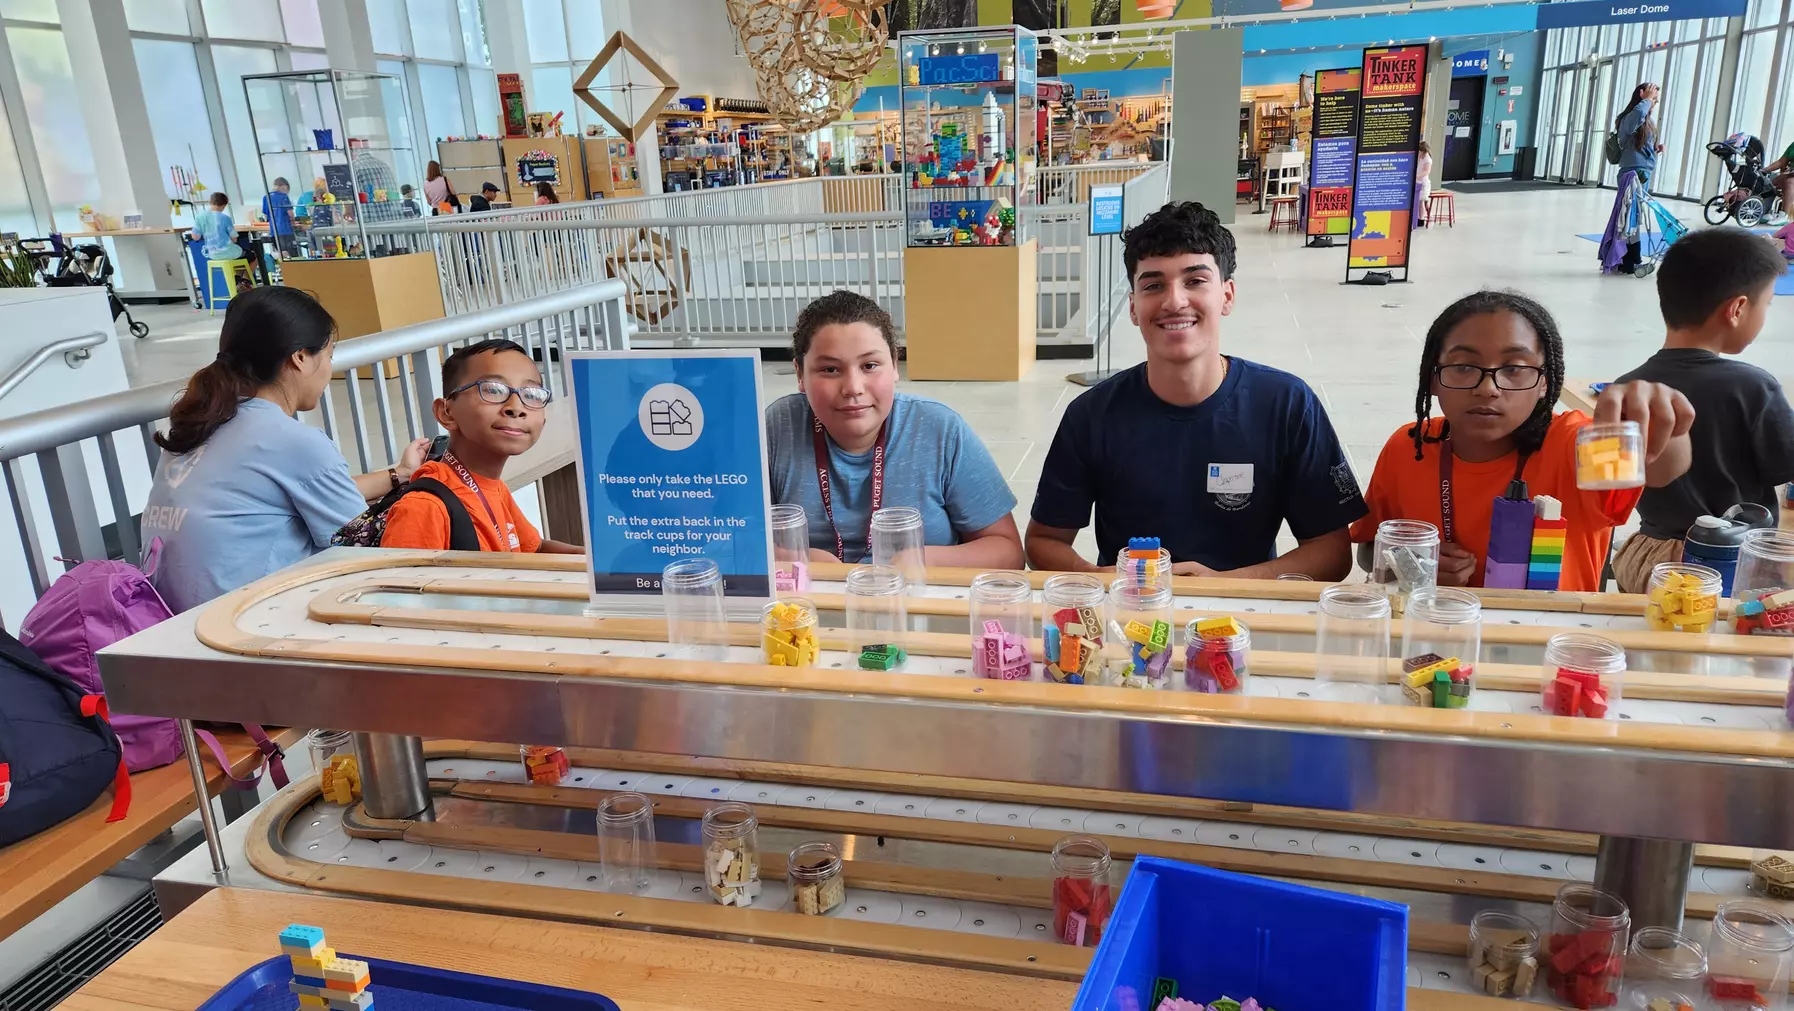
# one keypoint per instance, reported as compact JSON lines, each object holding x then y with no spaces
{"x":1610,"y":455}
{"x":1137,"y":638}
{"x":1504,"y":954}
{"x":1682,"y":597}
{"x":788,"y":633}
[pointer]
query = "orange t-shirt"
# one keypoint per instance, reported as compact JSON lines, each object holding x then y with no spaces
{"x":421,"y":521}
{"x":1404,"y":488}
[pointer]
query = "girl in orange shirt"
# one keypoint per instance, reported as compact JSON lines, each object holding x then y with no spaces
{"x":1495,"y":362}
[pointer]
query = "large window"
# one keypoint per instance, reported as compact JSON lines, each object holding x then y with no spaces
{"x":440,"y":87}
{"x":57,"y":129}
{"x":177,"y":101}
{"x":243,"y":19}
{"x":15,"y":201}
{"x":231,"y":64}
{"x":564,"y":36}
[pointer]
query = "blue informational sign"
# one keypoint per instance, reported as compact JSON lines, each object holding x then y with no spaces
{"x":1333,"y":161}
{"x":672,"y":465}
{"x":1385,"y":182}
{"x":1108,"y":212}
{"x":971,"y":68}
{"x":1470,"y":64}
{"x":1626,"y":12}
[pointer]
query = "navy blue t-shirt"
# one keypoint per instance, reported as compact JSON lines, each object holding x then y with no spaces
{"x":1213,"y":482}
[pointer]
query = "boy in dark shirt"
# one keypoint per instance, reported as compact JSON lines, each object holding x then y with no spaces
{"x":1714,"y":288}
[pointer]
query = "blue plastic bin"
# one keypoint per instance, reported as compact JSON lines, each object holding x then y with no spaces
{"x":1216,"y":933}
{"x":399,"y":986}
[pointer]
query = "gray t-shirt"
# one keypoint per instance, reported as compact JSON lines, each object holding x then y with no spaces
{"x":264,"y":492}
{"x":933,"y":461}
{"x":1743,"y":439}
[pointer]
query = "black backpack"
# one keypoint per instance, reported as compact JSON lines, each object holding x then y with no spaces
{"x":365,"y":531}
{"x":57,"y":749}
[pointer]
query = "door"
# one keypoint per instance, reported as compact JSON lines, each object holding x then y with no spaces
{"x":1463,"y":123}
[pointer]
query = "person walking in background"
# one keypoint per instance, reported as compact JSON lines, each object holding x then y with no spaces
{"x":1423,"y":182}
{"x":437,"y":191}
{"x":482,"y":201}
{"x":277,"y":210}
{"x":1636,"y":133}
{"x":545,"y":195}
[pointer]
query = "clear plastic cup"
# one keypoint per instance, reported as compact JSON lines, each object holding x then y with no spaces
{"x":1082,"y":896}
{"x":1071,"y":626}
{"x":1504,"y":954}
{"x":877,"y":619}
{"x":1405,"y":559}
{"x":626,"y":842}
{"x":1663,"y":965}
{"x":1582,"y":676}
{"x":1137,"y":639}
{"x":788,"y":633}
{"x":332,"y":754}
{"x":813,"y":871}
{"x":1442,"y":636}
{"x":1153,"y":567}
{"x":1296,"y":577}
{"x":790,"y":550}
{"x":691,"y":590}
{"x":1764,"y":585}
{"x":1749,"y":954}
{"x":323,"y":745}
{"x":732,"y":854}
{"x":1351,"y":644}
{"x":1216,"y":652}
{"x":1610,"y":455}
{"x":544,"y":764}
{"x":1682,"y":597}
{"x":1585,"y":950}
{"x":1002,"y":617}
{"x":897,"y":542}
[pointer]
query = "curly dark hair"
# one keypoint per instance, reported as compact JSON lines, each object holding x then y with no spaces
{"x":840,"y":307}
{"x":1531,"y":433}
{"x":1180,"y":227}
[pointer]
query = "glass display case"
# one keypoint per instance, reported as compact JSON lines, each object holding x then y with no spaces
{"x":341,"y":141}
{"x":969,"y":151}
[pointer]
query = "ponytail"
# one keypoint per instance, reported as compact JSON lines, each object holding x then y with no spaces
{"x":263,"y":329}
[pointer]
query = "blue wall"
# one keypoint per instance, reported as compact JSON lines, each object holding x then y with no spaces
{"x":1524,"y":73}
{"x":1284,"y":68}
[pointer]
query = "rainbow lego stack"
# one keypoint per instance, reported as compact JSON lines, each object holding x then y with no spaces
{"x":1142,"y":559}
{"x":1549,"y":529}
{"x":321,"y":979}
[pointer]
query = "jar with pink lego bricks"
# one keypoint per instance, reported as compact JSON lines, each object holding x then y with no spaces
{"x":1002,"y":617}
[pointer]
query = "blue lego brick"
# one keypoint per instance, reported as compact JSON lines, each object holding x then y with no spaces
{"x":299,"y":935}
{"x":1143,"y":544}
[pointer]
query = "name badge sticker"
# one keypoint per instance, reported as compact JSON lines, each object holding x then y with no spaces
{"x":1230,"y":479}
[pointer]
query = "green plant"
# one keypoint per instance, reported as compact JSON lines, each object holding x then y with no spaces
{"x":17,"y":270}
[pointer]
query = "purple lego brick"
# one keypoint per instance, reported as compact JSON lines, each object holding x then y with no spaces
{"x":1510,"y":532}
{"x":1504,"y":575}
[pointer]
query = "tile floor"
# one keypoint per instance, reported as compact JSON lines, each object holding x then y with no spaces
{"x":1356,"y":345}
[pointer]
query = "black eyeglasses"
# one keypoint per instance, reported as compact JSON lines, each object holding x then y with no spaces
{"x":1506,"y":377}
{"x":494,"y":392}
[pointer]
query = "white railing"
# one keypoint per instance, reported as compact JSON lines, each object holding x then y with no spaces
{"x":1070,"y":184}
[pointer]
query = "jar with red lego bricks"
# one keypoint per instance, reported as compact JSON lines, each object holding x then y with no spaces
{"x":1749,"y":954}
{"x":544,"y":764}
{"x":1764,"y":584}
{"x":1664,"y":967}
{"x":1081,"y":896}
{"x":1217,"y":650}
{"x":1582,"y":676}
{"x":1585,"y":951}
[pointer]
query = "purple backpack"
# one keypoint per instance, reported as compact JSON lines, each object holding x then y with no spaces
{"x":94,"y":605}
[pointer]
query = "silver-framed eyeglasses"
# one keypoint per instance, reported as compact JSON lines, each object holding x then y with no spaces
{"x":492,"y":391}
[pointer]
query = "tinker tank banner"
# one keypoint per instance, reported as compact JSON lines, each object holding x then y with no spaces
{"x":1392,"y":93}
{"x":1333,"y":147}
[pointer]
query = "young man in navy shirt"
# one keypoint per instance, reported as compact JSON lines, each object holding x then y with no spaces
{"x":1208,"y":453}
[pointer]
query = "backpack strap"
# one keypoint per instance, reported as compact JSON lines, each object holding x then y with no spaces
{"x":462,"y":536}
{"x":95,"y":705}
{"x":275,"y":764}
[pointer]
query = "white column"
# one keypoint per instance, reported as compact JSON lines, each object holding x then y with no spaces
{"x":348,"y":38}
{"x":632,"y":105}
{"x":507,"y":38}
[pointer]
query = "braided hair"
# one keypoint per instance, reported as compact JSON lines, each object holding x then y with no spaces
{"x":1531,"y":433}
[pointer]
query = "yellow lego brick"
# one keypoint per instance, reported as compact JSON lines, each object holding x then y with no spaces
{"x":313,"y":967}
{"x":1608,"y":445}
{"x":1217,"y":627}
{"x":1139,"y":631}
{"x":306,"y":1000}
{"x":1424,"y":675}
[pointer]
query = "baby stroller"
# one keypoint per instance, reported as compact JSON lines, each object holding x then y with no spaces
{"x":1753,"y":196}
{"x":1650,"y":224}
{"x":83,"y":266}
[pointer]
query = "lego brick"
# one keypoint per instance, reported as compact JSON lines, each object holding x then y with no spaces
{"x":1161,"y":635}
{"x":1776,"y":868}
{"x":312,"y":1003}
{"x":1504,"y":575}
{"x":1138,"y":631}
{"x":1093,"y":628}
{"x":1050,"y":643}
{"x":298,"y":935}
{"x":345,"y":970}
{"x":311,"y":967}
{"x":1415,"y":663}
{"x":1217,"y":627}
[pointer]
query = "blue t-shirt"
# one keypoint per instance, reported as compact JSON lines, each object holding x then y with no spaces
{"x":277,"y":207}
{"x":1630,"y":156}
{"x":219,"y":233}
{"x":933,"y":461}
{"x":1213,"y":482}
{"x":265,"y":491}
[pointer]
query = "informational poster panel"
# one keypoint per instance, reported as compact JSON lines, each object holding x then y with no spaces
{"x":1392,"y":90}
{"x":672,"y":465}
{"x":1334,"y":148}
{"x":1108,"y":210}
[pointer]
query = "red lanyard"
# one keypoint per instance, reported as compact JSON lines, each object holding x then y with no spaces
{"x":1445,"y":497}
{"x":878,"y":481}
{"x":498,"y":530}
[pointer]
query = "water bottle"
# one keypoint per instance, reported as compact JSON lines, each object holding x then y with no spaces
{"x":1713,"y":540}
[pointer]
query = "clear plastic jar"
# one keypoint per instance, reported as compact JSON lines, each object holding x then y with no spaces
{"x":1002,"y":611}
{"x":626,"y":842}
{"x":732,"y":854}
{"x":790,"y":549}
{"x":897,"y":541}
{"x":788,"y":633}
{"x":323,"y":745}
{"x":1663,"y":965}
{"x":1764,"y":585}
{"x":1749,"y":954}
{"x":1586,"y":947}
{"x":1081,"y":897}
{"x":1405,"y":559}
{"x":813,"y":870}
{"x":1582,"y":676}
{"x":691,"y":590}
{"x":1071,"y":626}
{"x":877,"y":618}
{"x":1351,"y":644}
{"x":1149,"y":564}
{"x":1216,"y":653}
{"x":544,"y":764}
{"x":1137,"y":638}
{"x":1504,"y":950}
{"x":1610,"y":455}
{"x":333,"y":758}
{"x":1682,"y":597}
{"x":1442,"y":636}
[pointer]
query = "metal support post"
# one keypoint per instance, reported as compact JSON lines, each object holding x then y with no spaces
{"x":1650,"y":875}
{"x":203,"y":796}
{"x":394,"y":783}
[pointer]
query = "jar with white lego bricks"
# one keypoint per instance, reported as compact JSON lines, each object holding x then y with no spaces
{"x":732,"y":854}
{"x":1351,"y":644}
{"x":1002,"y":620}
{"x":1504,"y":954}
{"x":788,"y":633}
{"x":1749,"y":954}
{"x":1082,"y":897}
{"x":1610,"y":456}
{"x":897,"y":541}
{"x":1582,"y":675}
{"x":1442,"y":637}
{"x":691,"y":591}
{"x":1585,"y":947}
{"x":1405,"y":559}
{"x":1764,"y":586}
{"x":1665,"y":971}
{"x":1137,"y":636}
{"x":1071,"y":627}
{"x":1682,"y":597}
{"x":877,"y":617}
{"x":626,"y":853}
{"x":790,"y":550}
{"x":813,"y":870}
{"x":544,"y":764}
{"x":1217,"y":652}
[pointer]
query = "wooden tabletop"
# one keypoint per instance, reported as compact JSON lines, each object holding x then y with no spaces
{"x":1577,"y":396}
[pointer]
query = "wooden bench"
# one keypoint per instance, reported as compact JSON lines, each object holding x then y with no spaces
{"x":39,"y":872}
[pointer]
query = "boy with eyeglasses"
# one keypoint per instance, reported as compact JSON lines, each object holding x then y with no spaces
{"x":493,"y":408}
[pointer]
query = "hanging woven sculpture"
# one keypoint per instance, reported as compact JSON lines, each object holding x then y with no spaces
{"x":809,"y":55}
